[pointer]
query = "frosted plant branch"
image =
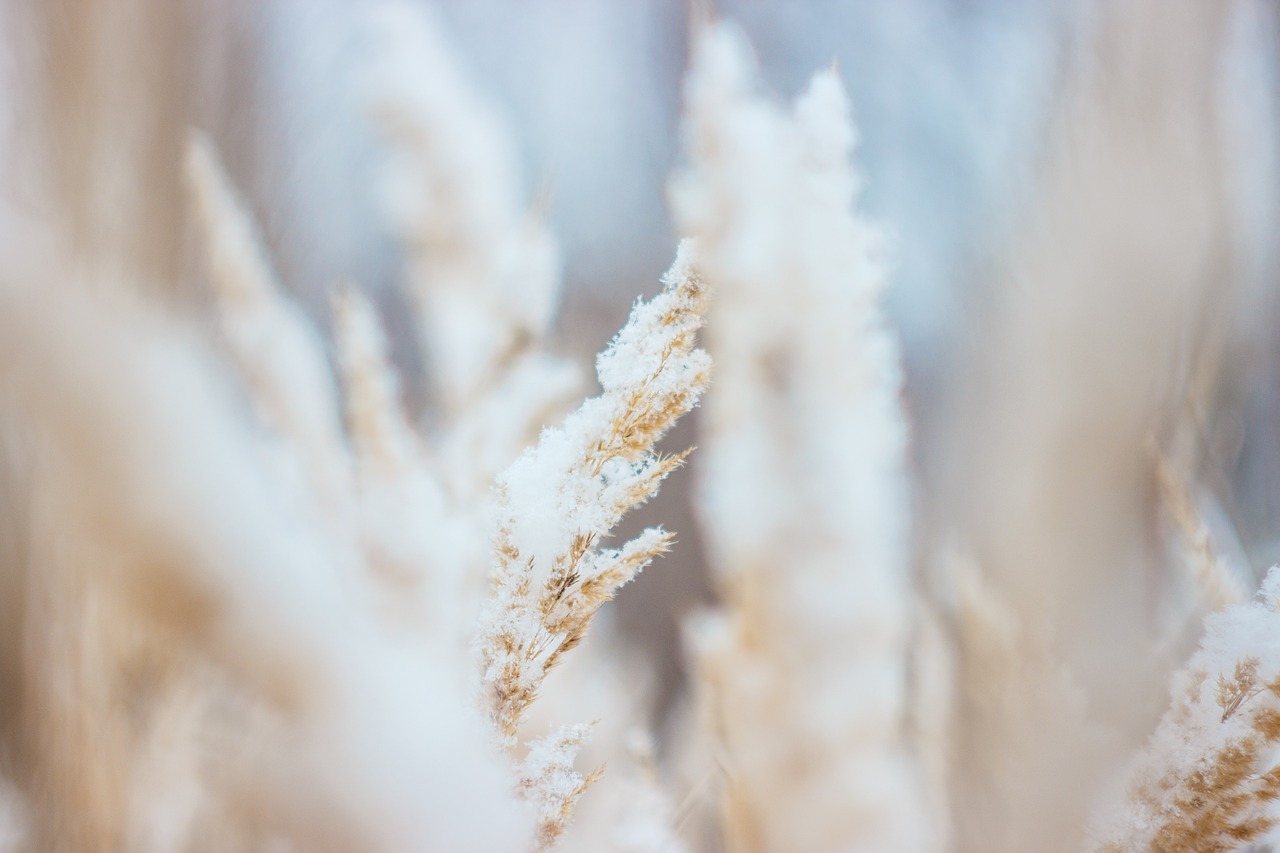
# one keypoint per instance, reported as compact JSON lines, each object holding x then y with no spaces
{"x":551,"y":783}
{"x":803,"y":492}
{"x":1208,"y":779}
{"x":559,"y":501}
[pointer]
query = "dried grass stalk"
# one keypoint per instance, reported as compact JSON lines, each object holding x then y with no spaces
{"x":560,"y":500}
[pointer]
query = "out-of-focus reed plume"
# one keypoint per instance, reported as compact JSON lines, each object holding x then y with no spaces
{"x":803,"y":490}
{"x":483,"y":271}
{"x":275,"y":346}
{"x":484,"y":274}
{"x":1217,"y":582}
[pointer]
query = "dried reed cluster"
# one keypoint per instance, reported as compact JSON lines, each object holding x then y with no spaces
{"x":280,"y":572}
{"x":560,"y":500}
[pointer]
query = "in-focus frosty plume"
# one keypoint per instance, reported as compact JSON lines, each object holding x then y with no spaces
{"x":803,"y":488}
{"x":559,"y":501}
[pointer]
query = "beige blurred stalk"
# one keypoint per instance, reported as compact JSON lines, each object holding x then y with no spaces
{"x":803,"y":491}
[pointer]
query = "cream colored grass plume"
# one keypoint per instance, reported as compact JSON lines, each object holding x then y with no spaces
{"x":413,"y":538}
{"x":803,"y":492}
{"x":381,"y":436}
{"x":274,"y":345}
{"x":558,"y":503}
{"x":483,"y":271}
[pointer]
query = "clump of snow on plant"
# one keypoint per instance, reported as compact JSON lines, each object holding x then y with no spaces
{"x":552,"y":493}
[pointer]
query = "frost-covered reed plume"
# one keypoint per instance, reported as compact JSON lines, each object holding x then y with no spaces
{"x":1209,"y":779}
{"x":484,"y":275}
{"x":559,"y":502}
{"x":285,"y":369}
{"x":416,"y":507}
{"x":803,"y":491}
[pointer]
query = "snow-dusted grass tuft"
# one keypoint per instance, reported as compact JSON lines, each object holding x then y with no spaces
{"x":560,"y":500}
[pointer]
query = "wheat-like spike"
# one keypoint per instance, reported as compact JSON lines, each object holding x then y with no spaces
{"x":548,"y":779}
{"x":559,"y":499}
{"x":556,"y":504}
{"x":408,"y":528}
